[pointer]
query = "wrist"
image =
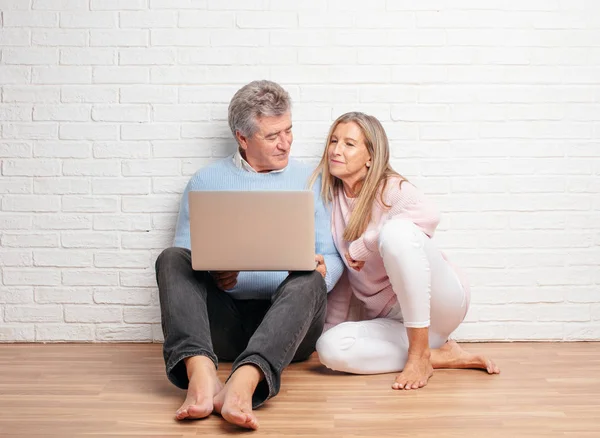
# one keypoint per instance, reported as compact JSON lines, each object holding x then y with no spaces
{"x":359,"y":251}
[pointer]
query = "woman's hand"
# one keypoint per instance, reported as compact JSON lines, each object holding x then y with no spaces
{"x":357,"y":265}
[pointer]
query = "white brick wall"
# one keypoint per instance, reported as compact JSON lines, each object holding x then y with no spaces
{"x":108,"y":106}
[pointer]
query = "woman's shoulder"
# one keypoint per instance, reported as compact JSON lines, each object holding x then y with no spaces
{"x":396,"y":186}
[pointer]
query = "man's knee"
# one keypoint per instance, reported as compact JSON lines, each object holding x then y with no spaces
{"x":311,"y":286}
{"x":170,"y":256}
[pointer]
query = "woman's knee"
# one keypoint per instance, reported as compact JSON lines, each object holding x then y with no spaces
{"x":335,"y":345}
{"x":397,"y":234}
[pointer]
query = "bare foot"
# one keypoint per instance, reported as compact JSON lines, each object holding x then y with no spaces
{"x":416,"y":373}
{"x":451,"y":355}
{"x":203,"y":386}
{"x":234,"y":402}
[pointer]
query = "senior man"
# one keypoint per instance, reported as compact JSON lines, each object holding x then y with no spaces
{"x":261,"y":321}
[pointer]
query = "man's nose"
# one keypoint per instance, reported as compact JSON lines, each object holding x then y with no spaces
{"x":285,"y":141}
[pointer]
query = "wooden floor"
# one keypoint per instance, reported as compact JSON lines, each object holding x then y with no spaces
{"x":117,"y":390}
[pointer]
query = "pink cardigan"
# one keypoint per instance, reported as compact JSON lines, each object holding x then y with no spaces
{"x":371,"y":286}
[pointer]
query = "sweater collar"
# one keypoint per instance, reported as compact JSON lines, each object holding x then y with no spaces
{"x":240,"y":163}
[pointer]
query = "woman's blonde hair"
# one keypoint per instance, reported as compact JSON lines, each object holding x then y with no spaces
{"x":377,"y":177}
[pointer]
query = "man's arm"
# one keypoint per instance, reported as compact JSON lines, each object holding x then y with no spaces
{"x":324,"y":242}
{"x":182,"y":230}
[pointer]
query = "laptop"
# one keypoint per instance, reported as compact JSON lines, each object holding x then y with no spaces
{"x":252,"y":230}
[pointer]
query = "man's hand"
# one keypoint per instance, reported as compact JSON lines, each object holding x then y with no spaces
{"x":321,"y":268}
{"x":354,"y":264}
{"x":225,"y":279}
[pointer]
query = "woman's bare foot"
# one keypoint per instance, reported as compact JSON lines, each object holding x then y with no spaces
{"x":451,"y":355}
{"x":234,"y":402}
{"x":203,"y":386}
{"x":416,"y":373}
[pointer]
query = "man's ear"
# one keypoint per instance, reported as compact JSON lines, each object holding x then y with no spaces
{"x":242,"y":140}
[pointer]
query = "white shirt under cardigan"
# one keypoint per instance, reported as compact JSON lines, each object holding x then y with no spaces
{"x":240,"y":163}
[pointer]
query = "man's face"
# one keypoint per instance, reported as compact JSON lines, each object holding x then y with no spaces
{"x":269,"y":147}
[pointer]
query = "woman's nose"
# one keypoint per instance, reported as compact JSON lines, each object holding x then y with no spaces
{"x":337,"y":149}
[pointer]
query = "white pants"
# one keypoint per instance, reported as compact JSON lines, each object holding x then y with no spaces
{"x":429,"y":295}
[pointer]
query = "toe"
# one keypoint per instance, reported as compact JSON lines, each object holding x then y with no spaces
{"x":181,"y":414}
{"x":251,"y":421}
{"x":402,"y":382}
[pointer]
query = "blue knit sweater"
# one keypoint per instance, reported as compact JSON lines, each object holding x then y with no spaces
{"x":224,"y":175}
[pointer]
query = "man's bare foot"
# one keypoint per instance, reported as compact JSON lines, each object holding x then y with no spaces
{"x":416,"y":373}
{"x":234,"y":402}
{"x":451,"y":355}
{"x":203,"y":386}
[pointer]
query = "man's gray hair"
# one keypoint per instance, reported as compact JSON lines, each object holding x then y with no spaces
{"x":256,"y":99}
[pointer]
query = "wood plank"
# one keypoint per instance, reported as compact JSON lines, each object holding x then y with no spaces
{"x":120,"y":390}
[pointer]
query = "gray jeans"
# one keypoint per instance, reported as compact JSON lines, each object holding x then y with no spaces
{"x":199,"y":319}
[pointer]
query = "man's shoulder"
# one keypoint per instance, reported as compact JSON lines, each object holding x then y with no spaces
{"x":301,"y":167}
{"x":300,"y":164}
{"x":209,"y":172}
{"x":216,"y":165}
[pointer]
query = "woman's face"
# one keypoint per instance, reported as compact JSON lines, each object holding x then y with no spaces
{"x":347,"y":153}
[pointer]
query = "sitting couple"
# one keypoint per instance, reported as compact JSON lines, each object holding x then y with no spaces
{"x":411,"y":298}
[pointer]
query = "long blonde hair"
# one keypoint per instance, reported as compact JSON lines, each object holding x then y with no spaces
{"x":377,"y":177}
